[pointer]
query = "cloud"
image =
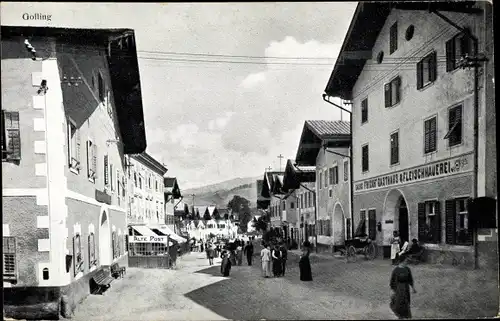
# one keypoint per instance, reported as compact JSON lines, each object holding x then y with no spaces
{"x":253,"y":79}
{"x":184,"y":134}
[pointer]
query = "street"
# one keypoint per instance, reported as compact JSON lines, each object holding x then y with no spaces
{"x":195,"y":291}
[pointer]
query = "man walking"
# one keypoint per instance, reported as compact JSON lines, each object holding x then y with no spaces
{"x":265,"y":257}
{"x":249,"y":252}
{"x":284,"y":256}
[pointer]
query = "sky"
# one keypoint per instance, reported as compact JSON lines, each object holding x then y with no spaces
{"x":210,"y":120}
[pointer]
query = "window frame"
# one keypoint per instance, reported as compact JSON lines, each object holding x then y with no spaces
{"x":394,"y":150}
{"x":346,"y":170}
{"x":11,"y":153}
{"x":74,"y":162}
{"x":427,"y":133}
{"x":431,"y":60}
{"x":393,"y":38}
{"x":388,"y":92}
{"x":91,"y":161}
{"x":364,"y":111}
{"x":464,"y":42}
{"x":78,"y":257}
{"x":10,"y":255}
{"x":91,"y":248}
{"x":363,"y":169}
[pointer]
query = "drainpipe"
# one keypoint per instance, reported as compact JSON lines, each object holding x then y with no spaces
{"x":351,"y":166}
{"x":475,"y":64}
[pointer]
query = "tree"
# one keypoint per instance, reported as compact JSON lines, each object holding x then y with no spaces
{"x":226,"y":216}
{"x":186,"y":210}
{"x":206,"y":216}
{"x":217,"y":215}
{"x":241,"y":206}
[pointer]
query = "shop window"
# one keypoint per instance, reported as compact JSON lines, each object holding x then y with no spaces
{"x":364,"y":111}
{"x":73,"y":142}
{"x":92,"y":257}
{"x":11,"y":136}
{"x":394,"y":148}
{"x":147,"y":249}
{"x":9,"y":258}
{"x":364,"y":158}
{"x":429,"y":222}
{"x":426,"y":70}
{"x":458,"y":47}
{"x":393,"y":38}
{"x":392,"y":92}
{"x":430,"y":135}
{"x":458,"y":225}
{"x":77,"y":254}
{"x":454,"y":134}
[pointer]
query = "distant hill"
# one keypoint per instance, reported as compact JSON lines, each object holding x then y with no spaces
{"x":221,"y":193}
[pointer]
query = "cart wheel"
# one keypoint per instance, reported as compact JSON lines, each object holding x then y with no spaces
{"x":370,"y":251}
{"x":351,"y":254}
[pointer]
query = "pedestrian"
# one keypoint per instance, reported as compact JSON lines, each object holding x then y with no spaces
{"x":395,"y":241}
{"x":249,"y":252}
{"x":401,"y":281}
{"x":225,"y":267}
{"x":304,"y":264}
{"x":265,"y":257}
{"x":239,"y":254}
{"x":210,"y":254}
{"x":276,"y":254}
{"x":284,"y":257}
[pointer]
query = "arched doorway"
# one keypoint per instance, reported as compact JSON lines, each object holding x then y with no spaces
{"x":338,"y":221}
{"x":104,"y":239}
{"x":395,"y":216}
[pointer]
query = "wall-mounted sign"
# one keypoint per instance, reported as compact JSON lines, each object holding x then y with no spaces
{"x":148,"y":239}
{"x":389,"y":222}
{"x":451,"y":166}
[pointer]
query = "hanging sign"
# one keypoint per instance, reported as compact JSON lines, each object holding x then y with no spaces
{"x":444,"y":168}
{"x":148,"y":239}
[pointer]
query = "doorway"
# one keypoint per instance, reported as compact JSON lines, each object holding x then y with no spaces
{"x":403,"y":220}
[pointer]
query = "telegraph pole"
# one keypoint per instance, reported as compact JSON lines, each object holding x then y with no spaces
{"x":280,"y":157}
{"x":267,"y":169}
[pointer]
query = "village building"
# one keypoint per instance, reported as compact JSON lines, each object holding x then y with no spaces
{"x":173,"y":197}
{"x":423,"y":132}
{"x":299,"y":183}
{"x":272,"y":190}
{"x":69,"y":117}
{"x":326,"y":146}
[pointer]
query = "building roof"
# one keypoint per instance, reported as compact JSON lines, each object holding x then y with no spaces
{"x":295,"y":175}
{"x":172,"y":187}
{"x":150,"y":162}
{"x":367,"y":21}
{"x":272,"y":183}
{"x":318,"y":134}
{"x":123,"y":67}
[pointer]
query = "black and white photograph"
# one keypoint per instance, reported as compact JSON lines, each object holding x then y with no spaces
{"x":249,"y":160}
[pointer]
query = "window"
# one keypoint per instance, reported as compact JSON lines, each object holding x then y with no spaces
{"x":114,"y":244}
{"x":372,"y":224}
{"x":11,"y":136}
{"x":326,"y":178}
{"x":330,"y":193}
{"x":73,"y":146}
{"x":394,"y":148}
{"x":124,"y":186}
{"x":392,"y":92}
{"x":118,"y":182}
{"x":335,"y":175}
{"x":135,"y":179}
{"x":140,"y":181}
{"x":111,"y":180}
{"x":9,"y":258}
{"x":364,"y":111}
{"x":92,"y":258}
{"x":458,"y":227}
{"x":361,"y":230}
{"x":426,"y":70}
{"x":102,"y":87}
{"x":430,"y":135}
{"x":348,"y":228}
{"x":292,"y":205}
{"x":77,"y":254}
{"x":156,"y":185}
{"x":91,"y":161}
{"x":320,"y":179}
{"x":454,"y":134}
{"x":429,"y":222}
{"x":301,"y":204}
{"x":364,"y":158}
{"x":346,"y":171}
{"x":393,"y":38}
{"x":457,"y":48}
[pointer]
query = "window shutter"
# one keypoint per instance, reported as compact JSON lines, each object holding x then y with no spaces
{"x":398,"y":90}
{"x":14,"y":144}
{"x":433,"y":66}
{"x":432,"y":134}
{"x":437,"y":222}
{"x":90,"y":249}
{"x":469,"y":223}
{"x":94,"y":160}
{"x":420,"y":80}
{"x":89,"y":158}
{"x":106,"y":172}
{"x":458,"y":129}
{"x":450,"y":221}
{"x":4,"y":147}
{"x":450,"y":55}
{"x":422,"y":235}
{"x":78,"y":143}
{"x":387,"y":94}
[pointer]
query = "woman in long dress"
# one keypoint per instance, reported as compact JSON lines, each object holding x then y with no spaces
{"x":276,"y":254}
{"x":239,"y":254}
{"x":395,"y":246}
{"x":401,"y":281}
{"x":304,"y":264}
{"x":226,"y":263}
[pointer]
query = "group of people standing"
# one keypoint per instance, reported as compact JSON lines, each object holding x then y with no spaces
{"x":233,"y":255}
{"x":274,"y":258}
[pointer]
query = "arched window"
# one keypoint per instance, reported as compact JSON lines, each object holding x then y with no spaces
{"x":92,"y":258}
{"x":77,"y":254}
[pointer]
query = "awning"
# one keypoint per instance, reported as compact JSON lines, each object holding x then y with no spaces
{"x":145,"y":231}
{"x":165,"y":230}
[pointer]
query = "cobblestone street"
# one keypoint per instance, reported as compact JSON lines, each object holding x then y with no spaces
{"x":349,"y":291}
